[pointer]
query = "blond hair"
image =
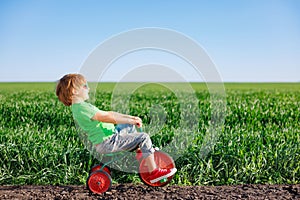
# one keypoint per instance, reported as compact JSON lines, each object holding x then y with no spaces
{"x":66,"y":86}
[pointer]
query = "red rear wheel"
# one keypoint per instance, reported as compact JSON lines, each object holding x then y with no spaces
{"x":99,"y":182}
{"x":99,"y":167}
{"x":163,"y":161}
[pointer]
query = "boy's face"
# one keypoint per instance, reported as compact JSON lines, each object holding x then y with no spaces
{"x":83,"y":91}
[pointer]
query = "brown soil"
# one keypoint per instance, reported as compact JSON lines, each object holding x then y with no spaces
{"x":130,"y":191}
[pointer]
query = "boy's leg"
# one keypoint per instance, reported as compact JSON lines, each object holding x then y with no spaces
{"x":149,"y":157}
{"x":150,"y":162}
{"x":127,"y":138}
{"x":125,"y":128}
{"x":125,"y":141}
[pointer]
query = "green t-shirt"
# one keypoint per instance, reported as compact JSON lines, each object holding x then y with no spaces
{"x":96,"y":131}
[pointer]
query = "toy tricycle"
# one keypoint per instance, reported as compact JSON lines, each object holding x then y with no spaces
{"x":99,"y":180}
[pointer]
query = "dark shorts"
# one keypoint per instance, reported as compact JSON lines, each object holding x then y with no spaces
{"x":126,"y":138}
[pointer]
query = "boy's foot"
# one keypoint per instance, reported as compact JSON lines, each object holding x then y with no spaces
{"x":159,"y":174}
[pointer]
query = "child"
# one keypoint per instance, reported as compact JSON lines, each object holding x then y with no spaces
{"x":72,"y":90}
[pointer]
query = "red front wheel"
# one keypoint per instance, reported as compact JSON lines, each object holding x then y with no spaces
{"x":163,"y":161}
{"x":99,"y":182}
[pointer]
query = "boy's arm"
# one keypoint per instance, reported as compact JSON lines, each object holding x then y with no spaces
{"x":116,"y":118}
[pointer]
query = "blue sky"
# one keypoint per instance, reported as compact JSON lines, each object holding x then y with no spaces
{"x":248,"y":40}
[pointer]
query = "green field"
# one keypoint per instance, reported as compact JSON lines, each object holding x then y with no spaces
{"x":259,"y":141}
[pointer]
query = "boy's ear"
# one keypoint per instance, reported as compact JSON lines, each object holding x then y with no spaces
{"x":74,"y":91}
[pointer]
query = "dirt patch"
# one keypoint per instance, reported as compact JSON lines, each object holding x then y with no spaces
{"x":130,"y":191}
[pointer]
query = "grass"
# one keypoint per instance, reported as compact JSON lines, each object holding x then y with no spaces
{"x":259,"y":141}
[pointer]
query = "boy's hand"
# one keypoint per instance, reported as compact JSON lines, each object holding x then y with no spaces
{"x":137,"y":121}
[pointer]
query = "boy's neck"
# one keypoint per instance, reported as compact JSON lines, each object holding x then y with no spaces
{"x":77,"y":100}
